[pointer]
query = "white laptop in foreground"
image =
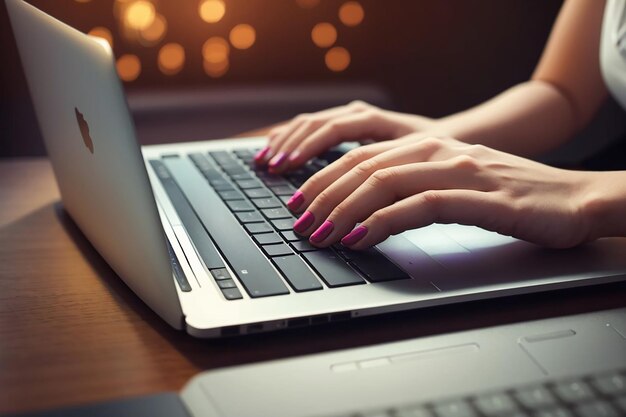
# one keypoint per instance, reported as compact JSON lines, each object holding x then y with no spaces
{"x":205,"y":239}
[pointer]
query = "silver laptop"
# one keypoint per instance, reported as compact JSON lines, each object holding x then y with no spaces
{"x":571,"y":366}
{"x":204,"y":238}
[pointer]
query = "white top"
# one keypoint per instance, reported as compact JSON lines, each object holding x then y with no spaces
{"x":613,"y":49}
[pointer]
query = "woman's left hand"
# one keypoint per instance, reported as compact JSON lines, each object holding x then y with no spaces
{"x":434,"y":180}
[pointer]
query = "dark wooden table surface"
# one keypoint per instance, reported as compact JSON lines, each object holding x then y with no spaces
{"x":71,"y":332}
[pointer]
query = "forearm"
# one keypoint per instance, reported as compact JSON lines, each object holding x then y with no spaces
{"x":528,"y":119}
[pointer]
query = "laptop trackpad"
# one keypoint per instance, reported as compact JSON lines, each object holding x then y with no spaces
{"x":584,"y":347}
{"x":471,"y":257}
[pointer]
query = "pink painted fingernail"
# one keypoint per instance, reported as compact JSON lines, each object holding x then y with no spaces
{"x":322,"y":232}
{"x":260,"y":155}
{"x":295,"y":201}
{"x":354,"y":236}
{"x":304,"y":222}
{"x":294,"y":155}
{"x":278,"y":160}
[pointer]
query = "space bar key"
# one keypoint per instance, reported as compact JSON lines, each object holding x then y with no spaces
{"x":252,"y":268}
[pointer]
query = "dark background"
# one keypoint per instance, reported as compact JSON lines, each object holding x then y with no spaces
{"x":427,"y":57}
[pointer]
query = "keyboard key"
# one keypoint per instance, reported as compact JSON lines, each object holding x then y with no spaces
{"x":274,"y":181}
{"x":297,"y":273}
{"x":245,"y":184}
{"x":535,"y":397}
{"x":231,"y":195}
{"x":283,"y":224}
{"x":221,"y":185}
{"x":333,"y":270}
{"x":611,"y":384}
{"x":250,"y":266}
{"x":276,"y":213}
{"x":222,"y":157}
{"x":284,"y":190}
{"x":379,"y":269}
{"x":263,"y":203}
{"x":227,"y":283}
{"x":257,"y":193}
{"x":495,"y":404}
{"x":258,"y":228}
{"x":239,"y":205}
{"x":597,"y":409}
{"x":220,"y":274}
{"x":277,"y":250}
{"x":234,"y":169}
{"x":458,"y":408}
{"x":303,"y":246}
{"x":246,"y":176}
{"x":249,"y":217}
{"x":284,"y":198}
{"x":291,"y":236}
{"x":573,"y":391}
{"x":267,"y":238}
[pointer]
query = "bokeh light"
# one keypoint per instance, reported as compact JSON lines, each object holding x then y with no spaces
{"x":154,"y":33}
{"x":139,"y":14}
{"x":337,"y":59}
{"x":242,"y":36}
{"x":216,"y":69}
{"x":351,"y":13}
{"x":102,"y":32}
{"x":128,"y":67}
{"x":171,"y":58}
{"x":212,"y":11}
{"x":215,"y":50}
{"x":324,"y":35}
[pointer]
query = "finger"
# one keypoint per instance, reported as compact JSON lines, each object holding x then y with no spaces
{"x":309,"y":123}
{"x":325,"y":177}
{"x":385,"y":187}
{"x":351,"y":127}
{"x":343,"y":176}
{"x":484,"y":209}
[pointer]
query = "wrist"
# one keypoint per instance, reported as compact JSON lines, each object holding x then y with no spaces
{"x":604,"y":204}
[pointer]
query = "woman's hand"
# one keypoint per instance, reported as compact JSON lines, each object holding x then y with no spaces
{"x":394,"y":186}
{"x":308,"y":135}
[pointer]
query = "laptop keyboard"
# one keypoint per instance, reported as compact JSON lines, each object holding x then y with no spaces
{"x":601,"y":395}
{"x":255,"y":201}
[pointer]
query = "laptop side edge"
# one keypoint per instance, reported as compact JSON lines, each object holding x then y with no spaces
{"x":89,"y":135}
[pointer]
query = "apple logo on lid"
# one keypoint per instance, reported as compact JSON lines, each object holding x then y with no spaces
{"x":84,"y":129}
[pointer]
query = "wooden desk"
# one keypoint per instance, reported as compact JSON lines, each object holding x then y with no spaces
{"x":71,"y":332}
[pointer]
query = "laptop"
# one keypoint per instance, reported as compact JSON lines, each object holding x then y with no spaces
{"x":203,"y":236}
{"x":572,"y":366}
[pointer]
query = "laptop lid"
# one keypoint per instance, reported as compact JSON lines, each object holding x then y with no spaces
{"x":90,"y":139}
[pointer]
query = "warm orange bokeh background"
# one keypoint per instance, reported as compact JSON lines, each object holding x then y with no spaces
{"x":429,"y":57}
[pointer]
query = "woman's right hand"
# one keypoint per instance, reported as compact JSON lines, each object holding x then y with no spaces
{"x":308,"y":135}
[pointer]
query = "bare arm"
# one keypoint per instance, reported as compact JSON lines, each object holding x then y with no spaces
{"x":562,"y":96}
{"x":564,"y":93}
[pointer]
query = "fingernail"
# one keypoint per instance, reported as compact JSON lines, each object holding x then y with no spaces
{"x":354,"y":236}
{"x":294,"y":155}
{"x":322,"y":232}
{"x":260,"y":155}
{"x":304,"y":222}
{"x":278,"y":160}
{"x":295,"y":201}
